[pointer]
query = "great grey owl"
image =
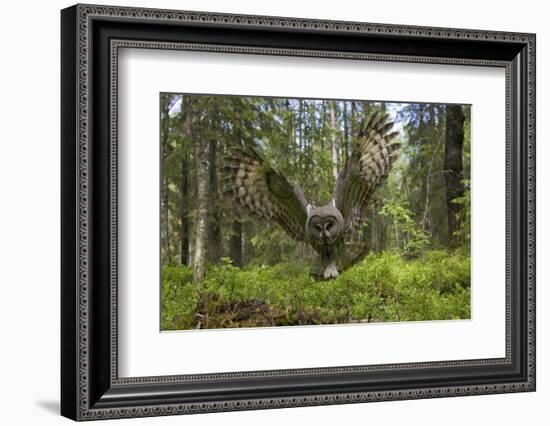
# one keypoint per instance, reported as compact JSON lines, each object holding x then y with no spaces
{"x":333,"y":230}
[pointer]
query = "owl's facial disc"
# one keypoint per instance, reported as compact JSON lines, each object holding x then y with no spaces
{"x":324,"y":226}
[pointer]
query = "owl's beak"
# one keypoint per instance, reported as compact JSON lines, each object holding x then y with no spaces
{"x":326,"y":229}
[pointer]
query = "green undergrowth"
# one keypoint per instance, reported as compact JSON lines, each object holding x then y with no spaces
{"x":383,"y":287}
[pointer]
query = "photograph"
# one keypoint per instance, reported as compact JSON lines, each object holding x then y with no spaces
{"x":275,"y":208}
{"x":282,"y":211}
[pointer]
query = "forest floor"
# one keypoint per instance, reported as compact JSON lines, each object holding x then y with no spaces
{"x":384,"y":287}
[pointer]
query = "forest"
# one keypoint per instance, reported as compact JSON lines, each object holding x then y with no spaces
{"x":222,"y":268}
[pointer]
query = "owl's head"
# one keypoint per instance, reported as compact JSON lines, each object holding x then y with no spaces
{"x":324,"y":225}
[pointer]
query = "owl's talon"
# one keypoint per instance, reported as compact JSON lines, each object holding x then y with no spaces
{"x":330,"y":272}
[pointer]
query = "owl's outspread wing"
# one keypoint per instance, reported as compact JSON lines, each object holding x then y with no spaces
{"x":368,"y":165}
{"x":260,"y":190}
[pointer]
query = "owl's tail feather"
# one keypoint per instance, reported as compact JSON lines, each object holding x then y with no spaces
{"x":351,"y":253}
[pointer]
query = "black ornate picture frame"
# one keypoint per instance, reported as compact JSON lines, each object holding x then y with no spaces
{"x":90,"y":385}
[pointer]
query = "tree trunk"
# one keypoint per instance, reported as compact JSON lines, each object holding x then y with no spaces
{"x":366,"y":108}
{"x":311,"y":138}
{"x":373,"y":230}
{"x":202,"y":212}
{"x":291,"y":130}
{"x":236,"y":236}
{"x":184,"y":210}
{"x":236,"y":244}
{"x":323,"y":121}
{"x":334,"y":141}
{"x":454,"y":139}
{"x":166,"y":151}
{"x":214,"y":230}
{"x":353,"y":121}
{"x":346,"y":131}
{"x":187,"y":123}
{"x":301,"y":125}
{"x":425,"y":219}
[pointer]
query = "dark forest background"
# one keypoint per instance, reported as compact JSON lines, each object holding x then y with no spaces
{"x":224,"y":269}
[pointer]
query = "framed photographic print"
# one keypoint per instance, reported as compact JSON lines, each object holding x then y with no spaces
{"x":263,"y":212}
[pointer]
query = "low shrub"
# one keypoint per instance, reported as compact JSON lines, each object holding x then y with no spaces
{"x":383,"y":287}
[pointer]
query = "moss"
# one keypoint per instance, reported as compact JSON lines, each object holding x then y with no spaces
{"x":383,"y":287}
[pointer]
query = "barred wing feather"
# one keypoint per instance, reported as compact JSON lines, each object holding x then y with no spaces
{"x":370,"y":162}
{"x":255,"y":187}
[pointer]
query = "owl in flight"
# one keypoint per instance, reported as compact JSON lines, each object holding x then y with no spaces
{"x":334,"y":230}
